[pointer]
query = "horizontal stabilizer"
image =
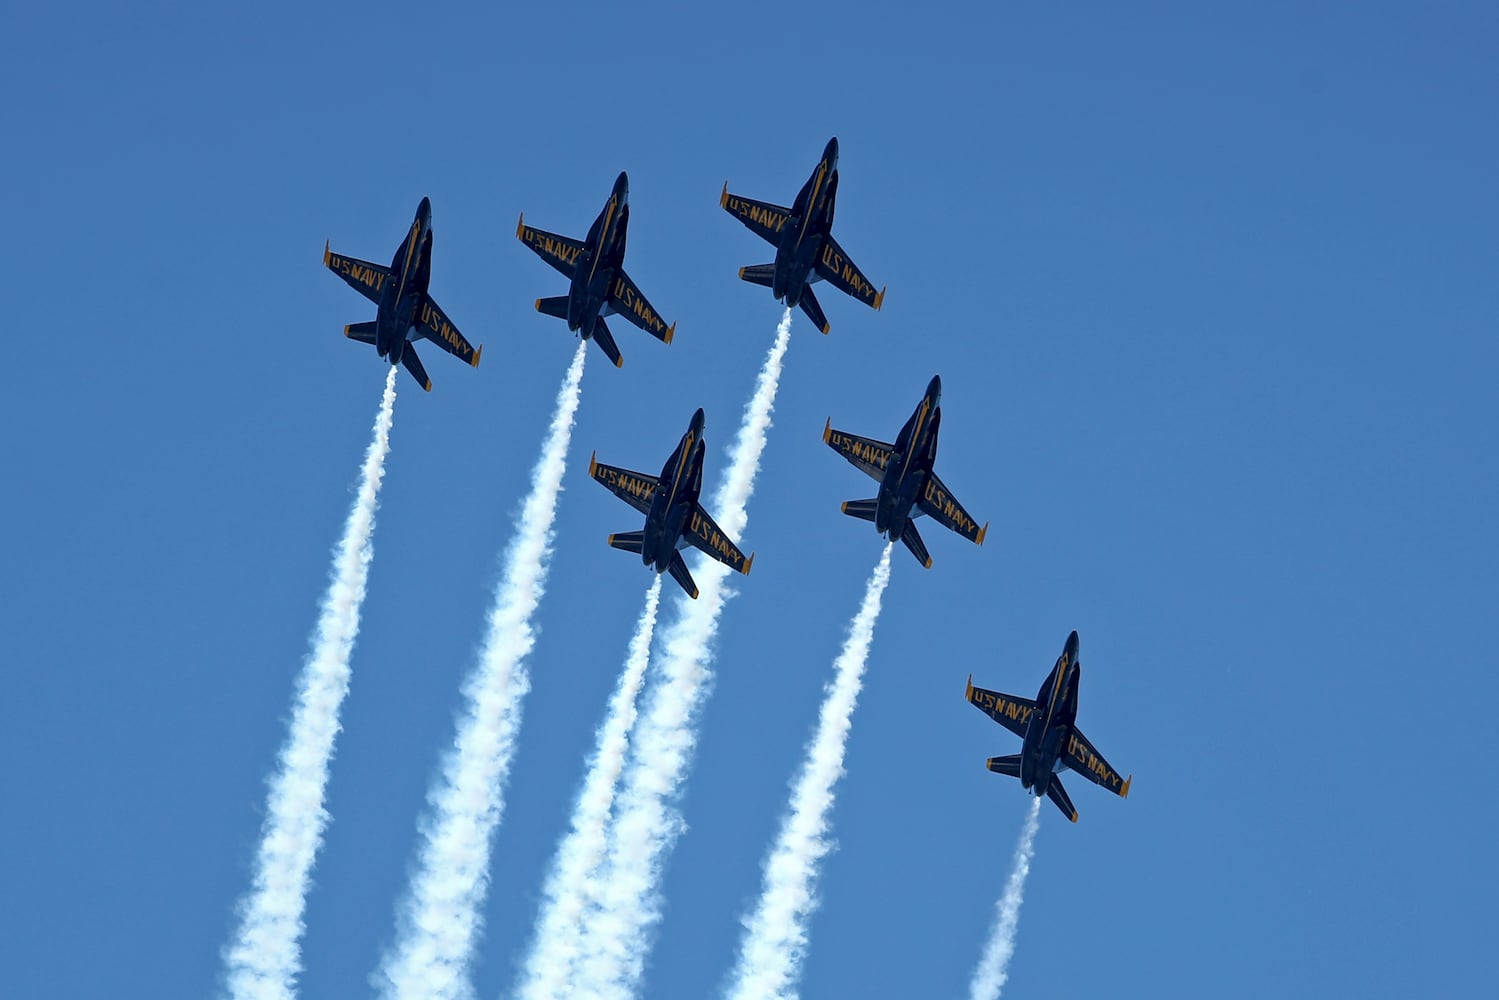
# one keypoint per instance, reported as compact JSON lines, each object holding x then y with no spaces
{"x":864,"y":510}
{"x":605,"y":340}
{"x":913,"y":542}
{"x":554,"y":306}
{"x":1058,"y":794}
{"x":629,"y":541}
{"x":1005,"y":765}
{"x":679,"y":573}
{"x":414,"y":366}
{"x":759,"y":274}
{"x":362,"y":332}
{"x":813,"y":310}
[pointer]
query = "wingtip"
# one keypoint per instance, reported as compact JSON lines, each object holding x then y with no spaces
{"x":671,"y":332}
{"x":879,"y":300}
{"x":427,"y":385}
{"x":327,"y":254}
{"x":928,"y":563}
{"x":346,"y":328}
{"x":827,"y":328}
{"x":723,"y":198}
{"x":593,"y":464}
{"x":477,"y":355}
{"x":1073,"y":817}
{"x":748,"y":563}
{"x":692,"y":593}
{"x":843,"y":507}
{"x":968,"y":693}
{"x":619,"y":362}
{"x":538,"y":305}
{"x":982,"y":532}
{"x":520,"y":227}
{"x":741,"y":273}
{"x":827,"y":430}
{"x":1124,"y":792}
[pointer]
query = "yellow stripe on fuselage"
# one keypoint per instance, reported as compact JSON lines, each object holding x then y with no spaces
{"x":603,"y":235}
{"x":915,"y":436}
{"x":1056,"y":688}
{"x":406,"y":269}
{"x":816,"y":186}
{"x":676,"y":480}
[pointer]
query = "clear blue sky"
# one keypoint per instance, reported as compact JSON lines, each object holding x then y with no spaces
{"x":1213,"y":298}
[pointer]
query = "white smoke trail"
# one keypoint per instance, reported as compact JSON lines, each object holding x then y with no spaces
{"x":994,"y":968}
{"x":775,"y":943}
{"x":623,"y":900}
{"x":265,"y":957}
{"x":440,"y":916}
{"x":549,"y":967}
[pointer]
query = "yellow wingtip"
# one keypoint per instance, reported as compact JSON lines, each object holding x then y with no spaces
{"x":327,"y":254}
{"x":611,"y":539}
{"x":620,"y":363}
{"x":741,"y":273}
{"x":928,"y":563}
{"x":827,"y":430}
{"x":879,"y":299}
{"x":723,"y":199}
{"x":346,"y":328}
{"x":843,"y":507}
{"x":1074,"y":816}
{"x":827,"y":328}
{"x":538,"y":305}
{"x":1124,"y":792}
{"x":982,"y":532}
{"x":593,"y":463}
{"x":748,"y":563}
{"x":477,"y":355}
{"x":671,"y":332}
{"x":520,"y":227}
{"x":968,"y":694}
{"x":427,"y":385}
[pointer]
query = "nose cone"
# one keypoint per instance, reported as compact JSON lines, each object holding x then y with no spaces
{"x":831,"y":152}
{"x":1072,"y":647}
{"x":622,"y":186}
{"x":697,"y":422}
{"x":934,"y":389}
{"x":424,"y":211}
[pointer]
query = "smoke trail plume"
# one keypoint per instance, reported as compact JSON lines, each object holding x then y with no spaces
{"x":775,"y":942}
{"x":989,"y":978}
{"x":265,"y":957}
{"x":623,"y":900}
{"x":440,"y":916}
{"x":549,"y":967}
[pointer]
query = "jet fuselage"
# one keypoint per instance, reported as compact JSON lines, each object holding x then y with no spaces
{"x":675,"y":498}
{"x":603,"y":254}
{"x":410,"y":274}
{"x":804,"y":233}
{"x":910,"y":464}
{"x":1052,"y":721}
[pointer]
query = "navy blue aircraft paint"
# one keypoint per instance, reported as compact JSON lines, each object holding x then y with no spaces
{"x":1048,"y":726}
{"x":600,"y":287}
{"x":673,"y":516}
{"x":805,"y":249}
{"x":404,"y":312}
{"x":908,"y":486}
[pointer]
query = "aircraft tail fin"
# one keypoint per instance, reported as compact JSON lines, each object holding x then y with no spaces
{"x":1005,"y":765}
{"x":414,"y":366}
{"x":629,"y":541}
{"x":555,"y":306}
{"x":678,"y":570}
{"x":1058,"y":794}
{"x":913,"y":542}
{"x":605,"y":340}
{"x":813,"y":310}
{"x":862,"y":509}
{"x":362,"y":332}
{"x":759,"y":274}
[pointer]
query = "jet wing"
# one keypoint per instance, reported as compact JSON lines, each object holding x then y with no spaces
{"x":634,"y":488}
{"x":836,"y":266}
{"x":559,"y":251}
{"x":625,"y":300}
{"x":436,"y":327}
{"x":937,"y":500}
{"x":863,"y":453}
{"x":700,"y":530}
{"x":762,"y":218}
{"x":1080,"y":756}
{"x":1010,"y":711}
{"x":365,"y":278}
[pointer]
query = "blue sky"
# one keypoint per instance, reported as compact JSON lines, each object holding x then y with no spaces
{"x":1213,"y":300}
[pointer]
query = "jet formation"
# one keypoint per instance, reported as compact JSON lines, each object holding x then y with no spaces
{"x":673,"y":517}
{"x":803,"y":237}
{"x":596,"y":269}
{"x":909,"y":487}
{"x":1048,"y":726}
{"x":404,"y":312}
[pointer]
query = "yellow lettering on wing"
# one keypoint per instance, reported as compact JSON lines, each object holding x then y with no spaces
{"x":1091,"y":762}
{"x":351,"y":269}
{"x":758,"y":214}
{"x":1001,"y":708}
{"x":716,"y":540}
{"x":947,"y":508}
{"x":843,"y":269}
{"x":859,"y":449}
{"x":550,"y":246}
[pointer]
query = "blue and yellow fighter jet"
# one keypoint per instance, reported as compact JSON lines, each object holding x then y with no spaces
{"x":908,"y":486}
{"x":404,"y":312}
{"x":600,"y":287}
{"x":805,"y":249}
{"x":673,"y":516}
{"x":1052,"y":740}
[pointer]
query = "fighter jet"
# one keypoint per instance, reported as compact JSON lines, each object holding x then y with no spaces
{"x":404,"y":312}
{"x":673,"y":517}
{"x":908,"y":486}
{"x":600,"y":287}
{"x":1052,"y":740}
{"x":805,"y":249}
